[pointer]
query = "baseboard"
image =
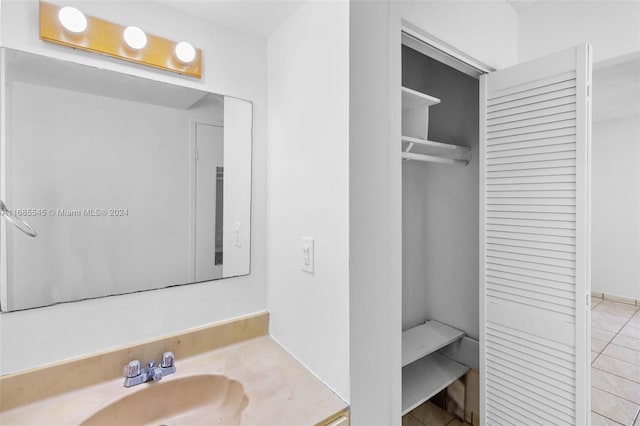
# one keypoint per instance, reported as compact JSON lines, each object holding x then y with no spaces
{"x":613,"y":298}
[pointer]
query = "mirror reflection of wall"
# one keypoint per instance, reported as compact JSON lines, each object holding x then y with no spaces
{"x":119,"y":176}
{"x":209,"y":203}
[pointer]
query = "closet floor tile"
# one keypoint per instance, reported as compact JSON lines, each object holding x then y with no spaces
{"x":431,"y":415}
{"x":613,"y":407}
{"x":409,"y":420}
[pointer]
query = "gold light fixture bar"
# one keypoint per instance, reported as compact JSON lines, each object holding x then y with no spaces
{"x":105,"y":37}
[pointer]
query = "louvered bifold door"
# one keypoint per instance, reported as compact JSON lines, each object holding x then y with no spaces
{"x":534,"y":243}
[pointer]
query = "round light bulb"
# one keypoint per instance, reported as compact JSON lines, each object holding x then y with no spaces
{"x":135,"y":38}
{"x":185,"y":52}
{"x":72,"y":19}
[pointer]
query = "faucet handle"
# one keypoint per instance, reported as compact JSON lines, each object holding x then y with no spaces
{"x":132,"y":369}
{"x":167,"y":360}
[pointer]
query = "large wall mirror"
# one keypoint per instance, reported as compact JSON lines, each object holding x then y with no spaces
{"x":130,"y":184}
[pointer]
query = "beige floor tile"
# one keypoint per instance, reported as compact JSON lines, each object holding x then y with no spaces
{"x":613,"y":407}
{"x":627,"y":342}
{"x":625,"y":354}
{"x":595,"y":301}
{"x":598,"y":420}
{"x":431,"y":415}
{"x":607,"y":321}
{"x":630,"y":331}
{"x":616,"y":308}
{"x":618,"y":386}
{"x":635,"y":321}
{"x":601,"y":334}
{"x":594,"y":355}
{"x":607,"y":325}
{"x":598,"y":345}
{"x":618,"y":367}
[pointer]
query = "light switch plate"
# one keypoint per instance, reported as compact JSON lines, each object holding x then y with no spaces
{"x":308,"y":261}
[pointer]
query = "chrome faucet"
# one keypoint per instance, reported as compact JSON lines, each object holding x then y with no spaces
{"x":134,"y":374}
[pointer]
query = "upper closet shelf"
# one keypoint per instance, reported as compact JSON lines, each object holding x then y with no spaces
{"x":415,"y":132}
{"x":436,"y":152}
{"x":414,"y":99}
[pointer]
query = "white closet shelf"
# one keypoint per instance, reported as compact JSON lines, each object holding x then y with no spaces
{"x":413,"y":99}
{"x":420,"y":341}
{"x":437,"y":152}
{"x":423,"y":379}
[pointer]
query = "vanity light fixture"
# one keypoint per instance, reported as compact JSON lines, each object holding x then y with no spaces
{"x":72,"y":19}
{"x":135,"y":38}
{"x":68,"y":26}
{"x":185,"y":52}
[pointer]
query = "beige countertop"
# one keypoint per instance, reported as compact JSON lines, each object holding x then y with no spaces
{"x":280,"y":390}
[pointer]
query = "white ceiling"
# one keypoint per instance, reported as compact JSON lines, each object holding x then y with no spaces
{"x":260,"y":18}
{"x":519,"y":5}
{"x":257,"y":18}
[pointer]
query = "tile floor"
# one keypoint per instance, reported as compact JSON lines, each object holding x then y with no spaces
{"x":615,"y":370}
{"x":429,"y":414}
{"x":615,"y":363}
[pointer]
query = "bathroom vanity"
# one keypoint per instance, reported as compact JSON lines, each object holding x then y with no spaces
{"x":230,"y":373}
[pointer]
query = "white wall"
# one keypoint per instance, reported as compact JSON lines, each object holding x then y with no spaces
{"x":611,"y":27}
{"x":237,"y":187}
{"x":374,"y":218}
{"x":615,"y":208}
{"x":308,"y":189}
{"x":234,"y":64}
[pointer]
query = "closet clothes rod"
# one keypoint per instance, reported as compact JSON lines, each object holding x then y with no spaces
{"x":432,"y":159}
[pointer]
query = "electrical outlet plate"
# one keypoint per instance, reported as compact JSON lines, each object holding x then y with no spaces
{"x":308,"y":261}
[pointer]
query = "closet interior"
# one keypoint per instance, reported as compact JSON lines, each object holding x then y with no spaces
{"x":440,"y":223}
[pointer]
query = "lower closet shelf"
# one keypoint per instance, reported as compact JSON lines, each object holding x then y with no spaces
{"x":423,"y":379}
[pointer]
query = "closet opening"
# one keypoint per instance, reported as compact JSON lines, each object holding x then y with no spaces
{"x":440,"y":230}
